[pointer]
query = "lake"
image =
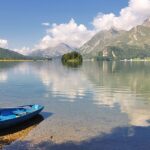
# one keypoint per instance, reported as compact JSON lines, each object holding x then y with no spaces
{"x":97,"y":106}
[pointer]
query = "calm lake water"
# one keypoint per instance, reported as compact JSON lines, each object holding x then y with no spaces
{"x":98,"y":106}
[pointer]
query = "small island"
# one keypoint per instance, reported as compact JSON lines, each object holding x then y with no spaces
{"x":72,"y":59}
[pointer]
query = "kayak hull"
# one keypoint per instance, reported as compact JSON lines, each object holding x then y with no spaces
{"x":13,"y":116}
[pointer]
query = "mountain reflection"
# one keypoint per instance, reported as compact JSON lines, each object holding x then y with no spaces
{"x":4,"y":68}
{"x":110,"y":83}
{"x":126,"y":84}
{"x":104,"y":84}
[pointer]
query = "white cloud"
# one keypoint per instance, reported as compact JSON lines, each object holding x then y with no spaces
{"x":134,"y":14}
{"x":3,"y":43}
{"x":46,"y":24}
{"x":76,"y":35}
{"x":70,"y":33}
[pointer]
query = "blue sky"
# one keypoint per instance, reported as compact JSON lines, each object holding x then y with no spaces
{"x":20,"y":20}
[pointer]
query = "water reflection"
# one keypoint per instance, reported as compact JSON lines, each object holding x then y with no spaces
{"x":105,"y":84}
{"x":109,"y":84}
{"x":62,"y":81}
{"x":3,"y":77}
{"x":3,"y":71}
{"x":124,"y":84}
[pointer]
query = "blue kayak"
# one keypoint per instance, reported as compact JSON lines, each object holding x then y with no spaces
{"x":12,"y":116}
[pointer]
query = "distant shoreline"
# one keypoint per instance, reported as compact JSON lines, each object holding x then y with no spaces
{"x":13,"y":60}
{"x":137,"y":60}
{"x":123,"y":60}
{"x":30,"y":60}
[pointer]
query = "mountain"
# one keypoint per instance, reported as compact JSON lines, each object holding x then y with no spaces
{"x":99,"y":42}
{"x":147,"y":22}
{"x":8,"y":54}
{"x":56,"y":51}
{"x":115,"y":44}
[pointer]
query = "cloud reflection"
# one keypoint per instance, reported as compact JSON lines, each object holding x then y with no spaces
{"x":63,"y":81}
{"x":3,"y":77}
{"x":107,"y":88}
{"x":125,"y":86}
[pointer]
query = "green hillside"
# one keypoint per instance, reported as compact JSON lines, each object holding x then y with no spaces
{"x":8,"y":54}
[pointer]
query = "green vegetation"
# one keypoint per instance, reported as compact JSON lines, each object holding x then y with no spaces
{"x":6,"y":54}
{"x":72,"y":59}
{"x":125,"y":52}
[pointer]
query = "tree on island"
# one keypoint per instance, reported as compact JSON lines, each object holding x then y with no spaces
{"x":72,"y":59}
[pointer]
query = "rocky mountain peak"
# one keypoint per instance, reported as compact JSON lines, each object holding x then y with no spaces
{"x":56,"y":51}
{"x":147,"y":22}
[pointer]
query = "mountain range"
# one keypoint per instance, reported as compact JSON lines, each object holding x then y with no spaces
{"x":8,"y":54}
{"x":118,"y":44}
{"x":51,"y":52}
{"x":107,"y":44}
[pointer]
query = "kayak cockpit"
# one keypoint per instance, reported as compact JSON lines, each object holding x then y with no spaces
{"x":12,"y":113}
{"x":12,"y":116}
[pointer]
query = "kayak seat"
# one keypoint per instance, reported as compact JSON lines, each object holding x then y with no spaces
{"x":30,"y":110}
{"x":22,"y":112}
{"x":19,"y":112}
